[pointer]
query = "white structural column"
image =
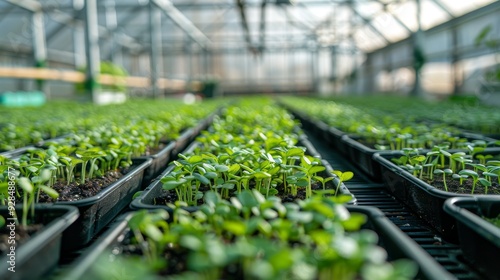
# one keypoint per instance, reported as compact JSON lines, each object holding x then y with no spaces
{"x":39,"y":43}
{"x":315,"y":79}
{"x":417,"y":50}
{"x":79,"y":45}
{"x":92,"y":51}
{"x":455,"y":61}
{"x":155,"y":46}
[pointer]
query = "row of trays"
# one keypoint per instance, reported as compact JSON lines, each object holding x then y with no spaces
{"x":81,"y":221}
{"x":69,"y":232}
{"x":457,"y":218}
{"x":71,"y":225}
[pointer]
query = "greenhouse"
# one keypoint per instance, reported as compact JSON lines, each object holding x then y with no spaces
{"x":257,"y":139}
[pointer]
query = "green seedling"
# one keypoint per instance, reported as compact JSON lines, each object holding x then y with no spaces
{"x":444,"y":172}
{"x":343,"y":177}
{"x":461,"y":178}
{"x":473,"y":174}
{"x":483,"y":158}
{"x":486,"y":183}
{"x":31,"y":188}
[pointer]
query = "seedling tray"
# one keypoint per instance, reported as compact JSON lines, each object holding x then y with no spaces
{"x":425,"y":200}
{"x":479,"y":239}
{"x":182,"y":141}
{"x":159,"y":162}
{"x":362,"y":155}
{"x":38,"y":256}
{"x":97,"y":211}
{"x":331,"y":135}
{"x":391,"y":238}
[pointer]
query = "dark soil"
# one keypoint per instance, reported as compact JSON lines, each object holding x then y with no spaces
{"x":23,"y":234}
{"x":466,"y":188}
{"x":75,"y":191}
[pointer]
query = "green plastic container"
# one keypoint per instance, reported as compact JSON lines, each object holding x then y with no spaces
{"x":22,"y":98}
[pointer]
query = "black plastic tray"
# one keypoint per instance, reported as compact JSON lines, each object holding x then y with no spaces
{"x":331,"y":135}
{"x":425,"y":200}
{"x":362,"y":155}
{"x":159,"y":162}
{"x":479,"y":239}
{"x":97,"y":211}
{"x":40,"y":255}
{"x":392,"y":239}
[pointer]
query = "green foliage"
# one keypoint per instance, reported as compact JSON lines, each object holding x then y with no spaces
{"x":485,"y":169}
{"x":147,"y":123}
{"x":253,"y":145}
{"x":96,"y":144}
{"x":391,"y":122}
{"x":262,"y":238}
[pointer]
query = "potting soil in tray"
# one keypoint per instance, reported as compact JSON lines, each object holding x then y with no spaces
{"x":76,"y":191}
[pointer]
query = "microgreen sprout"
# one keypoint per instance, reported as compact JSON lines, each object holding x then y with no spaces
{"x":444,"y":172}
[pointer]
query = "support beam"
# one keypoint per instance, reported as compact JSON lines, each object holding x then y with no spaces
{"x":417,"y":51}
{"x":262,"y":26}
{"x":443,"y":7}
{"x":244,"y":26}
{"x":395,"y":17}
{"x":370,"y":25}
{"x":79,"y":46}
{"x":92,"y":51}
{"x":315,"y":69}
{"x":217,"y":22}
{"x":62,"y":25}
{"x":455,"y":59}
{"x":73,"y":20}
{"x":39,"y":44}
{"x":155,"y":47}
{"x":29,"y":5}
{"x":184,"y":23}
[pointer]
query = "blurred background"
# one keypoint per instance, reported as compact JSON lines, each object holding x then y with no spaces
{"x":77,"y":49}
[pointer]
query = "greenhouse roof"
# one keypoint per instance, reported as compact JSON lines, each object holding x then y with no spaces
{"x":230,"y":25}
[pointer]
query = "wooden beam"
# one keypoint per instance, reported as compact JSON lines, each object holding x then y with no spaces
{"x":42,"y":74}
{"x":79,"y":77}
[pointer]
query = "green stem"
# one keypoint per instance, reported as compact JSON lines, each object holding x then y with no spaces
{"x":444,"y":182}
{"x":473,"y":185}
{"x":82,"y":176}
{"x":24,"y":220}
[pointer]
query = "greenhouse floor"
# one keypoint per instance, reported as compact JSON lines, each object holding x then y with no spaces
{"x":368,"y":193}
{"x":373,"y":194}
